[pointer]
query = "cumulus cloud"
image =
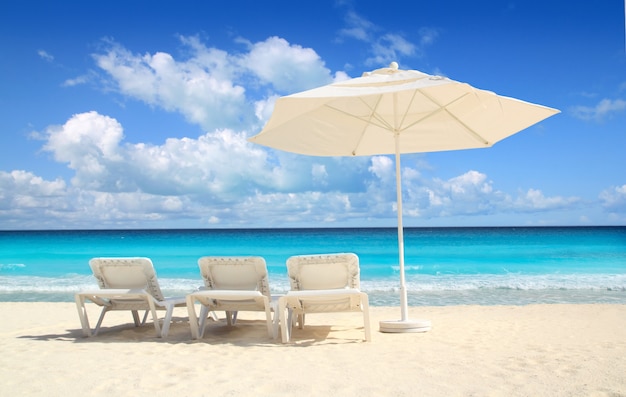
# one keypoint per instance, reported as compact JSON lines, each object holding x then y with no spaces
{"x":263,"y":108}
{"x":88,"y":143}
{"x":287,"y":67}
{"x":209,"y":87}
{"x":29,"y":184}
{"x":467,"y":194}
{"x":614,"y":199}
{"x":535,"y":200}
{"x":92,"y":145}
{"x":473,"y":194}
{"x":606,"y":108}
{"x":26,"y":199}
{"x":218,"y":178}
{"x":200,"y":88}
{"x":221,"y":179}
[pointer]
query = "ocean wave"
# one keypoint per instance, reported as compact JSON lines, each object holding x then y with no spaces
{"x":74,"y":283}
{"x":11,"y":266}
{"x":501,"y":282}
{"x":421,"y":290}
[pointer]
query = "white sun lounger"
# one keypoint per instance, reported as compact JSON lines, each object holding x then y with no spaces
{"x":232,"y":284}
{"x":322,"y":284}
{"x":127,"y":284}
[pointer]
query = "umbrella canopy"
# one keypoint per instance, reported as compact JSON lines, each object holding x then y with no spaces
{"x":393,"y":111}
{"x":362,"y":116}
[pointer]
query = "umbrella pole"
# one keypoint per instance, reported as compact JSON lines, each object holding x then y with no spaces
{"x":404,"y":305}
{"x":404,"y":324}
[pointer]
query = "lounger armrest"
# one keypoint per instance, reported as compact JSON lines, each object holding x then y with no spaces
{"x":114,"y":292}
{"x":98,"y":296}
{"x":174,"y":301}
{"x":227,"y":294}
{"x":323,"y":292}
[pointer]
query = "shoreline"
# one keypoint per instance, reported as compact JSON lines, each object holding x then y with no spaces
{"x":421,"y":298}
{"x":539,"y":349}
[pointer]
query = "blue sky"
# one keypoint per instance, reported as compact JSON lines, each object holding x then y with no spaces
{"x":135,"y":114}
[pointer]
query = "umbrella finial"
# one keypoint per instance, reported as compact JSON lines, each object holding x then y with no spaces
{"x":393,"y":65}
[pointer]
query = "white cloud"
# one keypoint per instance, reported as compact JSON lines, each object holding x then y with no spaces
{"x":534,"y":200}
{"x":45,"y":55}
{"x":471,"y":193}
{"x":215,"y":163}
{"x":319,"y":174}
{"x":200,"y":88}
{"x":428,"y":36}
{"x":357,"y":27}
{"x":388,"y":48}
{"x":385,"y":47}
{"x":88,"y":143}
{"x":287,"y":67}
{"x":340,"y":76}
{"x":467,"y":194}
{"x":263,"y":108}
{"x":603,"y":110}
{"x":471,"y":182}
{"x":27,"y":200}
{"x":219,"y":178}
{"x":27,"y":183}
{"x":76,"y":81}
{"x":614,"y":199}
{"x":383,"y":167}
{"x":208,"y":87}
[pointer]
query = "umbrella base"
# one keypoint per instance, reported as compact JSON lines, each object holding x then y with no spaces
{"x":400,"y":326}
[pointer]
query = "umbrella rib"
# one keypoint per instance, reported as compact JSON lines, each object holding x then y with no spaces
{"x":367,"y":120}
{"x":406,"y":112}
{"x":444,"y":108}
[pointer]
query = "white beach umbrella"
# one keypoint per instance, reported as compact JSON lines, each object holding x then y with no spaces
{"x":392,"y":111}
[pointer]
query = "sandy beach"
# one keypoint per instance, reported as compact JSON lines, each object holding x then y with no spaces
{"x":534,"y":350}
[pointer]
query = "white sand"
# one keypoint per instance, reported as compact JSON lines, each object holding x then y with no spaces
{"x":537,"y":350}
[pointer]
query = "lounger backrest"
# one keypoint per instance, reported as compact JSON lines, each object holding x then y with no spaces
{"x":328,"y":271}
{"x":235,"y":273}
{"x":126,"y":273}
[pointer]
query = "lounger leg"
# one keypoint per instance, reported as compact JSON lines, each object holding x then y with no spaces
{"x":97,"y":329}
{"x":193,"y":319}
{"x":231,"y":318}
{"x":155,"y":318}
{"x":167,"y":321}
{"x":268,"y":318}
{"x":275,"y":323}
{"x":301,"y":321}
{"x":204,"y":315}
{"x":136,"y":318}
{"x":275,"y":307}
{"x":145,"y":317}
{"x":82,"y":314}
{"x":365,"y":306}
{"x":285,"y":323}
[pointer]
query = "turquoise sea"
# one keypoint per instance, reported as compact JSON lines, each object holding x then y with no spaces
{"x":444,"y":266}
